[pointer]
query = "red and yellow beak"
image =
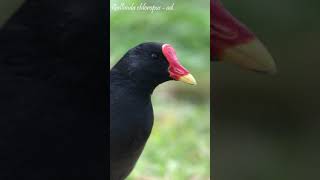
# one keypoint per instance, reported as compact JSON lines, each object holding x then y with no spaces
{"x":176,"y":70}
{"x":233,"y":42}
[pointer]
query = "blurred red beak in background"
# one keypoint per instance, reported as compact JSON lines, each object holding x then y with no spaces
{"x":232,"y":41}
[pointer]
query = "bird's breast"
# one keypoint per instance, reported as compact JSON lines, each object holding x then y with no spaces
{"x":130,"y":125}
{"x":131,"y":120}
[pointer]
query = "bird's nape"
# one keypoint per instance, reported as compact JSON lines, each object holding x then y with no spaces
{"x":232,"y":41}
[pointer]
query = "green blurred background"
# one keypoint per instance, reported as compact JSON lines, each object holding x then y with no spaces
{"x":179,"y":146}
{"x":268,"y":127}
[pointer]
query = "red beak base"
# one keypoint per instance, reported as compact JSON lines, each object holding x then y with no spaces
{"x":176,"y":70}
{"x":233,"y":42}
{"x":226,"y":31}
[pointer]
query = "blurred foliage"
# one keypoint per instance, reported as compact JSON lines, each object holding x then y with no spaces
{"x":179,"y":146}
{"x":7,"y":8}
{"x":267,"y":127}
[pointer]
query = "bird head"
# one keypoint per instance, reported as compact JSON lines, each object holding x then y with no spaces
{"x":232,"y":41}
{"x":154,"y":63}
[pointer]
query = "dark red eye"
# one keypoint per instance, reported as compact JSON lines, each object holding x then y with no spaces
{"x":154,"y":56}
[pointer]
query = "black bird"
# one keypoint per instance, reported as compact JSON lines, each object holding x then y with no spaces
{"x":132,"y":81}
{"x":53,"y":89}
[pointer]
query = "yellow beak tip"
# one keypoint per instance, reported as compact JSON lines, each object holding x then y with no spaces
{"x":189,"y":79}
{"x":252,"y":55}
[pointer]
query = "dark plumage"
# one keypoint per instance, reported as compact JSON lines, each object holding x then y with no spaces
{"x":53,"y":90}
{"x":133,"y":80}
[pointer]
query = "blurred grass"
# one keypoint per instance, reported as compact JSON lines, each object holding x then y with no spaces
{"x":179,"y":146}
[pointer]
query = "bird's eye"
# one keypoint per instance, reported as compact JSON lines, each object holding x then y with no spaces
{"x":154,"y":56}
